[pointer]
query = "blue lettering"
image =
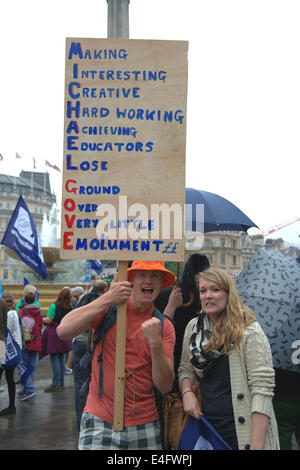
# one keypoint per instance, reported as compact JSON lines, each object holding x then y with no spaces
{"x":74,"y":96}
{"x":73,"y":126}
{"x":81,"y":244}
{"x":157,"y":244}
{"x":102,"y":244}
{"x":84,"y":166}
{"x":94,"y":244}
{"x":124,"y":245}
{"x":145,"y":245}
{"x":69,"y":163}
{"x":71,"y":108}
{"x":135,"y":246}
{"x":75,"y":70}
{"x":71,"y":142}
{"x":151,"y":225}
{"x":112,"y":244}
{"x":75,"y":49}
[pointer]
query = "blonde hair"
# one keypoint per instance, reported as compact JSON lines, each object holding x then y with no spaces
{"x":236,"y":316}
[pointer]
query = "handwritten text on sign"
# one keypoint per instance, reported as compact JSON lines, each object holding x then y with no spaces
{"x":124,"y":149}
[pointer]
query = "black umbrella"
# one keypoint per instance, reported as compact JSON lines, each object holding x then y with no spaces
{"x":219,"y":213}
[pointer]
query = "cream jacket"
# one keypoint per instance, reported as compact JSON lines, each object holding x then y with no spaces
{"x":252,"y":382}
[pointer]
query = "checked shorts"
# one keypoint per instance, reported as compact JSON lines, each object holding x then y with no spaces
{"x":96,"y":434}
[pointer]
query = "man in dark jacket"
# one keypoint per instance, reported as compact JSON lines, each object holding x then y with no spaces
{"x":195,"y":264}
{"x":32,"y":321}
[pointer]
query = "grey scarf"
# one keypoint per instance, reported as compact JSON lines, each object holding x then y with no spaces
{"x":201,"y":333}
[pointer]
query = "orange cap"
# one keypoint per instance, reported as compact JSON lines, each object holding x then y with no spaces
{"x":169,"y":277}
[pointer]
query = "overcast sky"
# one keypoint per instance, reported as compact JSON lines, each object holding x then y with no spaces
{"x":243,"y":117}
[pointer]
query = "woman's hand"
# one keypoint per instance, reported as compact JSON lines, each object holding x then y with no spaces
{"x":191,"y":405}
{"x":175,"y":301}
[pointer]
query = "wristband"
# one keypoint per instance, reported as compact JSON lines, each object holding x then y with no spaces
{"x":189,"y":390}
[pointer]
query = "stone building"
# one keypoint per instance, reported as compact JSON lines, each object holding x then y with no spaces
{"x":233,"y":250}
{"x":222,"y":248}
{"x":36,"y":191}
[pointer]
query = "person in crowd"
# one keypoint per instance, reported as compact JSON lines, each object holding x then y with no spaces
{"x":27,"y":289}
{"x":80,"y":344}
{"x":149,"y":361}
{"x":77,"y":292}
{"x":14,"y":326}
{"x":3,"y":326}
{"x":52,"y":344}
{"x":286,"y":404}
{"x":228,"y":351}
{"x":32,"y":322}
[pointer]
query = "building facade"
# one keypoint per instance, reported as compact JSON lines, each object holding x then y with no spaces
{"x":223,"y":249}
{"x":232,"y":251}
{"x":36,"y":191}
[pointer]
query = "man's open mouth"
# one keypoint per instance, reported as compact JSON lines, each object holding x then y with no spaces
{"x":147,"y":290}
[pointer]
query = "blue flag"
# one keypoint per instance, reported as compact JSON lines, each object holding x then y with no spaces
{"x":21,"y":237}
{"x":96,"y":266}
{"x":14,"y":358}
{"x":37,"y":294}
{"x":0,"y":289}
{"x":88,"y":272}
{"x":199,"y":434}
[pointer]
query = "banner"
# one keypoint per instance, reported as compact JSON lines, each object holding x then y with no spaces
{"x":14,"y":358}
{"x":123,"y":192}
{"x":199,"y":434}
{"x":88,"y":271}
{"x":96,"y":266}
{"x":21,"y":237}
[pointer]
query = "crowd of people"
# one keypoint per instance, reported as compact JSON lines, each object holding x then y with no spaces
{"x":214,"y":339}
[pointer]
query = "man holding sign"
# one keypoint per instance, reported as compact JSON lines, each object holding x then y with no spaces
{"x":149,"y":359}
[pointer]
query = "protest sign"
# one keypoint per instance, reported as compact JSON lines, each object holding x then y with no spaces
{"x":124,"y":149}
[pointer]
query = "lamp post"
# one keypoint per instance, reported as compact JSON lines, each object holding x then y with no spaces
{"x":117,"y":18}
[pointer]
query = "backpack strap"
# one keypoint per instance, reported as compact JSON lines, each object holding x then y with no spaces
{"x":86,"y":362}
{"x":108,"y":320}
{"x":156,"y":313}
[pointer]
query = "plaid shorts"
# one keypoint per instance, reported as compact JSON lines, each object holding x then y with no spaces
{"x":96,"y":434}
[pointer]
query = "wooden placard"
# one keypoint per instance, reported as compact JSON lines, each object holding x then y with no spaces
{"x":124,"y":149}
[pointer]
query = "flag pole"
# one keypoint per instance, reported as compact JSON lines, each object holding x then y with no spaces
{"x":118,"y":27}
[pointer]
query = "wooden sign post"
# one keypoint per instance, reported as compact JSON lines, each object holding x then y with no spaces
{"x":123,"y":189}
{"x":120,"y":355}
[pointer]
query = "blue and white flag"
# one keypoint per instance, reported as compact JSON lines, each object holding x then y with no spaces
{"x":199,"y":434}
{"x":14,"y":358}
{"x":37,"y":294}
{"x":88,"y":271}
{"x":0,"y":289}
{"x":21,"y":237}
{"x":96,"y":266}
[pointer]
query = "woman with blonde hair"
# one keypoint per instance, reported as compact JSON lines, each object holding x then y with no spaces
{"x":228,"y":351}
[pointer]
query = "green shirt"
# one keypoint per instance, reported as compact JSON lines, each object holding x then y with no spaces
{"x":22,"y":303}
{"x":51,"y":311}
